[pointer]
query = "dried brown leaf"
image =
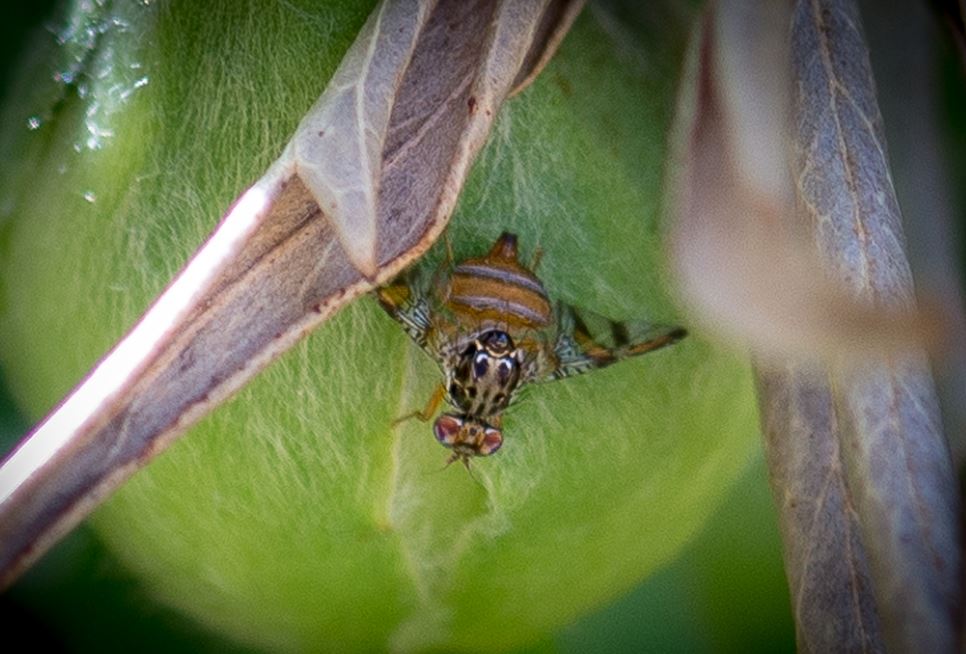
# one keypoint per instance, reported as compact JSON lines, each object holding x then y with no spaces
{"x":894,"y":454}
{"x":553,"y":26}
{"x":748,"y":272}
{"x":825,"y":558}
{"x":891,"y":451}
{"x":366,"y":184}
{"x":906,"y":42}
{"x":810,"y":269}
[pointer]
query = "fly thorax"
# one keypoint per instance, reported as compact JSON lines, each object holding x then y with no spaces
{"x":485,"y":375}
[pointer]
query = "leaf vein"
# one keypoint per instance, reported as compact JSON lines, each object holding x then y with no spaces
{"x":847,"y":164}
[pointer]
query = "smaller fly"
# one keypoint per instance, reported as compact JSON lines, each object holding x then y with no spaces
{"x":490,"y":326}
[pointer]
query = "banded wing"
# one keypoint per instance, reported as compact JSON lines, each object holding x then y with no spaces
{"x":408,"y":306}
{"x":587,"y":341}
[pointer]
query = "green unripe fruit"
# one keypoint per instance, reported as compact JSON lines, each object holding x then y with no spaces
{"x":296,"y":516}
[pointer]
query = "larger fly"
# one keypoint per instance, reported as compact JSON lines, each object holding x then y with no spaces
{"x":490,"y":326}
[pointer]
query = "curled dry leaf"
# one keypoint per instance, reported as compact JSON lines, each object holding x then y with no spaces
{"x":860,"y":467}
{"x":905,"y":43}
{"x":747,"y":272}
{"x":365,"y":186}
{"x":554,"y":26}
{"x":825,"y":558}
{"x":895,"y":456}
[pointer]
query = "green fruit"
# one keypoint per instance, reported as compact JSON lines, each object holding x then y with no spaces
{"x":296,"y":517}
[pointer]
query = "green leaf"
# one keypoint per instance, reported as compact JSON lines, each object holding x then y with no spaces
{"x":296,"y":516}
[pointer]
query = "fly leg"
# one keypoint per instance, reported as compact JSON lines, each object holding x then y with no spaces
{"x":669,"y":337}
{"x":449,"y":250}
{"x":603,"y":355}
{"x":427,"y":411}
{"x":577,"y":352}
{"x":537,"y":257}
{"x":438,"y":280}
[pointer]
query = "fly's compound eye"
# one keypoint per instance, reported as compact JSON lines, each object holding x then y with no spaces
{"x":447,"y":429}
{"x":492,"y":441}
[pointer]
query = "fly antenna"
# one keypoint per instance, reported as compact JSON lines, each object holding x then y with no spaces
{"x":449,"y":461}
{"x":469,"y":470}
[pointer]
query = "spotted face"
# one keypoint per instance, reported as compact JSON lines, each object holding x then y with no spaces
{"x":467,"y":437}
{"x":485,"y":376}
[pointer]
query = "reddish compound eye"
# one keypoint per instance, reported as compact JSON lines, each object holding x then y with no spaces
{"x":447,"y":428}
{"x":492,"y":440}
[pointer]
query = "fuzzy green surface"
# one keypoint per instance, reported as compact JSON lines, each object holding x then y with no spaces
{"x":296,"y":517}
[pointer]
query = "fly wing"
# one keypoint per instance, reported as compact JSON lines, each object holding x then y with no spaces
{"x":407,"y":303}
{"x":586,"y":341}
{"x":413,"y":300}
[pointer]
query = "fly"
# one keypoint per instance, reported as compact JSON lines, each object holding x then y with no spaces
{"x":491,"y":327}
